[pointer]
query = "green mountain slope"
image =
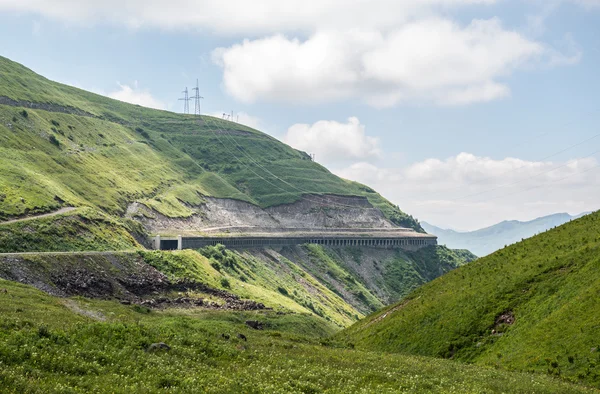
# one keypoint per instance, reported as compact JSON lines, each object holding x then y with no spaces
{"x":63,"y":146}
{"x":532,"y":306}
{"x":487,"y":240}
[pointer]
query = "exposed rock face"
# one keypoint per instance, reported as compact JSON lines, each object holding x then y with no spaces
{"x":113,"y":275}
{"x":315,"y":211}
{"x":98,"y":275}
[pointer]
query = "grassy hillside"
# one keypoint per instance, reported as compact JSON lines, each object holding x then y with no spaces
{"x":311,"y":279}
{"x":69,"y":345}
{"x":280,"y":285}
{"x":63,"y":146}
{"x":532,"y":306}
{"x":80,"y":230}
{"x":370,"y":278}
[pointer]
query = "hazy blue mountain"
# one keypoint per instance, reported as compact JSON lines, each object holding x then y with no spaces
{"x":487,"y":240}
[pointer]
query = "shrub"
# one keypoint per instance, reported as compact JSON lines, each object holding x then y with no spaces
{"x":43,"y":332}
{"x":283,"y":291}
{"x":141,"y":309}
{"x":24,"y":114}
{"x":54,"y":141}
{"x":215,"y":264}
{"x":55,"y":123}
{"x":142,"y":132}
{"x":225,"y":283}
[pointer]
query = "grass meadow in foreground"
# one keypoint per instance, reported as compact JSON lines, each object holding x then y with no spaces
{"x":53,"y":345}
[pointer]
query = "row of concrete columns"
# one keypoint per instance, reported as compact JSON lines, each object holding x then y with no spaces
{"x":373,"y":242}
{"x":197,"y":242}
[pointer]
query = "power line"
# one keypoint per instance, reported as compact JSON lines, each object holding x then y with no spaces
{"x":216,"y":133}
{"x":545,"y":133}
{"x":281,"y":180}
{"x":308,"y":192}
{"x":301,"y":197}
{"x":284,"y":181}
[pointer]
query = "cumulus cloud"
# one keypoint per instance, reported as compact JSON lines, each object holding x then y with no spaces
{"x":469,"y":191}
{"x":384,"y":52}
{"x":134,"y":95}
{"x":430,"y":60}
{"x":237,"y":16}
{"x":332,"y":141}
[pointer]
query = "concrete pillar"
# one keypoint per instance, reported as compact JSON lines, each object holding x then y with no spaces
{"x":157,"y":242}
{"x":179,"y":242}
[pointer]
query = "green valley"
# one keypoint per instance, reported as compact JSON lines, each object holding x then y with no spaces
{"x":88,"y":183}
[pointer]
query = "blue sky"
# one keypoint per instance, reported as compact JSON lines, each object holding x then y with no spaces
{"x":447,"y":107}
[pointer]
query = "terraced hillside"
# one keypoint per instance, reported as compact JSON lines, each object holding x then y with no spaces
{"x":532,"y":306}
{"x":60,"y":146}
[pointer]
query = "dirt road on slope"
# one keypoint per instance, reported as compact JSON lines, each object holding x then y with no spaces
{"x":45,"y":215}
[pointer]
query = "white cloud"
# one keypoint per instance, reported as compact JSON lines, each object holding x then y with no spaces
{"x":468,"y":191}
{"x":237,"y":16}
{"x":428,"y":60}
{"x":134,"y":95}
{"x":384,"y":52}
{"x":332,"y":141}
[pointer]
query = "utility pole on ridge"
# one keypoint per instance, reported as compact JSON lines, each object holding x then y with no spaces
{"x":197,"y":99}
{"x":186,"y":101}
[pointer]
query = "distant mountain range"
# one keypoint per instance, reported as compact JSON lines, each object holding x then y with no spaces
{"x":487,"y":240}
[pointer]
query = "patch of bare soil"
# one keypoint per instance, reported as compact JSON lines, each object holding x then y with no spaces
{"x":74,"y":307}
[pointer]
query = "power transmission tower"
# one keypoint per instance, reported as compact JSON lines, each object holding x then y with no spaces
{"x":197,"y":99}
{"x":186,"y":101}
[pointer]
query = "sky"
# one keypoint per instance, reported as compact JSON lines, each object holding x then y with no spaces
{"x":464,"y":113}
